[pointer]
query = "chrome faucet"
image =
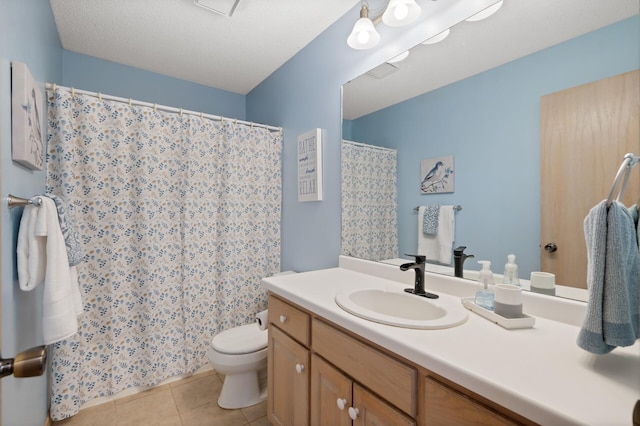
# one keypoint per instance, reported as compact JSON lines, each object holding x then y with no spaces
{"x":458,"y":260}
{"x":418,"y":267}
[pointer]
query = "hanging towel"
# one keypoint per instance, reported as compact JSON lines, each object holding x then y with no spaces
{"x":430,"y":219}
{"x":42,"y":258}
{"x":69,"y":231}
{"x":613,"y":276}
{"x":437,"y":247}
{"x":635,"y":214}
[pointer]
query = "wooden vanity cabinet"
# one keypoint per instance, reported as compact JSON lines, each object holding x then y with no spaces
{"x":287,"y":365}
{"x":318,"y":371}
{"x":339,"y":401}
{"x":444,"y":405}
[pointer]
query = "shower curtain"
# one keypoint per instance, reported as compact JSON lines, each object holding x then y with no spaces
{"x":369,"y":202}
{"x":179,"y":217}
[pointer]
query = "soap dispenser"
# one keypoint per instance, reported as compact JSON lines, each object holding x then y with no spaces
{"x":484,"y":297}
{"x":511,"y":271}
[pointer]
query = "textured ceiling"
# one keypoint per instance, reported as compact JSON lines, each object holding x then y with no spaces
{"x":179,"y":39}
{"x":519,"y":28}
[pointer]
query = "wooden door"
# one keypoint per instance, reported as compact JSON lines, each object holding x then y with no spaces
{"x":288,"y":380}
{"x":330,"y":394}
{"x":585,"y":132}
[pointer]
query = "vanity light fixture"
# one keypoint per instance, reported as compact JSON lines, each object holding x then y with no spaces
{"x":401,"y":12}
{"x":483,"y":14}
{"x":397,"y":13}
{"x":438,"y":37}
{"x":364,"y":34}
{"x":400,"y":57}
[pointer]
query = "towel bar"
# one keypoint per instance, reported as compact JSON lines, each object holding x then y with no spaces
{"x":457,"y":207}
{"x":14,"y":201}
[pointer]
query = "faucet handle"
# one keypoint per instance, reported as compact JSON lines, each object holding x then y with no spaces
{"x":419,"y":257}
{"x":459,"y":251}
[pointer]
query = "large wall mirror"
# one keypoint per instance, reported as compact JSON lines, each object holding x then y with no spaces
{"x":476,"y":97}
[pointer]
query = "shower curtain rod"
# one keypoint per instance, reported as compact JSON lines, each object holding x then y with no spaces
{"x":73,"y":91}
{"x":382,"y":148}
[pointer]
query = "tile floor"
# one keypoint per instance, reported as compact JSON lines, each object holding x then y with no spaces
{"x":188,"y":402}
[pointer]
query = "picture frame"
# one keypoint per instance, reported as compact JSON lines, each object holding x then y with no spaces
{"x":26,"y":118}
{"x":437,"y":175}
{"x":310,"y":166}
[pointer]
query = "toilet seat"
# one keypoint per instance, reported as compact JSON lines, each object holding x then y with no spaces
{"x":240,"y":340}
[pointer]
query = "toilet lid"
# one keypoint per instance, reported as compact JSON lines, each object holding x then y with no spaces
{"x":240,"y":340}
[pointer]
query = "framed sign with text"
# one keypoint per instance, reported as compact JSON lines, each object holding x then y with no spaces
{"x":310,"y":166}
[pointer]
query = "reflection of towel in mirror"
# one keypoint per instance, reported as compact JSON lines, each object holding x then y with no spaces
{"x":430,"y":219}
{"x":42,"y":258}
{"x":613,"y":279}
{"x":437,"y":247}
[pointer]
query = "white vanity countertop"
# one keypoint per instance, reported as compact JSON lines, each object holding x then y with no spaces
{"x":539,"y":372}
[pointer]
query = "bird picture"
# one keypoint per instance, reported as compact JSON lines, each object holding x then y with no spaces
{"x":436,"y":173}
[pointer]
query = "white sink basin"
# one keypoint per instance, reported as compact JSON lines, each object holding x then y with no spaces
{"x":402,"y":309}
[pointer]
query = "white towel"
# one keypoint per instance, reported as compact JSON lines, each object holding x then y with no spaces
{"x":437,"y":247}
{"x":42,"y":257}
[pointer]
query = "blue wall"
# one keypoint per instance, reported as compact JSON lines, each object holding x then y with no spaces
{"x":28,"y":35}
{"x":97,"y":75}
{"x":305,"y":93}
{"x":490,"y":123}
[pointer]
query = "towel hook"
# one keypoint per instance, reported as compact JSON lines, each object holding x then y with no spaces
{"x":624,"y":171}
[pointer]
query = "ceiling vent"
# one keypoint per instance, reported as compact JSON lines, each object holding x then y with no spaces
{"x":383,"y":70}
{"x":221,"y":7}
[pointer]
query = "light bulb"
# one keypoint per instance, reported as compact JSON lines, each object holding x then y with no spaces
{"x":363,"y":37}
{"x":401,"y":11}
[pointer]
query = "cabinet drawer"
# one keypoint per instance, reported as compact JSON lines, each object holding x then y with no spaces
{"x":382,"y":374}
{"x":443,"y":405}
{"x":289,"y":319}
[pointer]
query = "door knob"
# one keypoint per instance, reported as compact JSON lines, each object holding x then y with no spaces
{"x":29,"y":363}
{"x":550,"y":247}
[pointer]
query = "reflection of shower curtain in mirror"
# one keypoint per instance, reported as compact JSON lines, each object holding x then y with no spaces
{"x":369,"y":202}
{"x":179,"y":217}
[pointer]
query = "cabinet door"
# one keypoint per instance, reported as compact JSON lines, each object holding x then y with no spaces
{"x":288,"y":380}
{"x":330,"y":394}
{"x":373,"y":411}
{"x":445,"y":406}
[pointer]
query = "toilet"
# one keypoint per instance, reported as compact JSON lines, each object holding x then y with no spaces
{"x":240,"y":353}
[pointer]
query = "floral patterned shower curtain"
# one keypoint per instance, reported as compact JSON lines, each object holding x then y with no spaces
{"x":369,"y":202}
{"x":179,"y":217}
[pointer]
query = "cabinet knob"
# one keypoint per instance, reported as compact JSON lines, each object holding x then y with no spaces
{"x":299,"y":368}
{"x":283,"y":318}
{"x":353,"y":413}
{"x":341,"y":403}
